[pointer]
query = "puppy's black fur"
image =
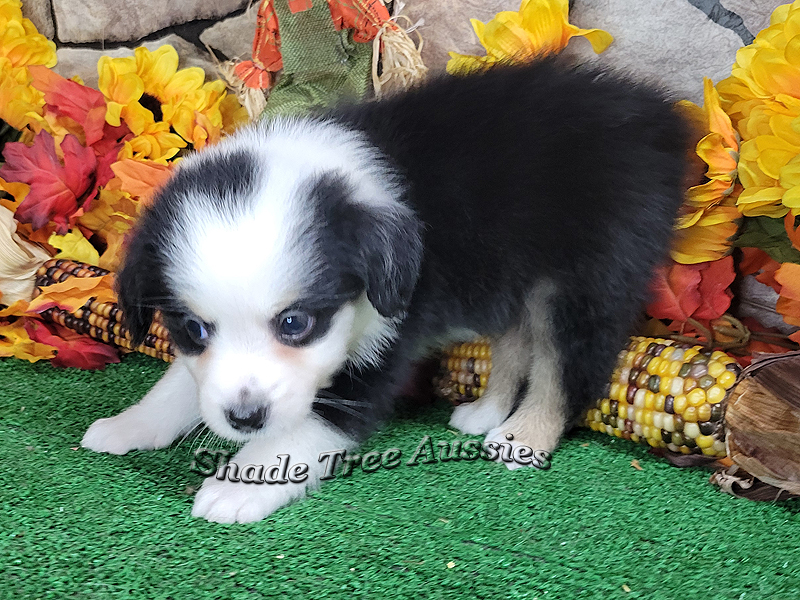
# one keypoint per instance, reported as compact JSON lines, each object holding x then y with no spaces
{"x":515,"y":176}
{"x":523,"y":173}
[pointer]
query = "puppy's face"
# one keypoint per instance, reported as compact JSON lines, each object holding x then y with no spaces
{"x":275,"y":258}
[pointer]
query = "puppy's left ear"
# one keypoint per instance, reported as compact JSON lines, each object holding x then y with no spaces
{"x":381,"y":241}
{"x":391,"y":245}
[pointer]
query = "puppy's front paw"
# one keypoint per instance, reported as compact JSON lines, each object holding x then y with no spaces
{"x":475,"y":418}
{"x":127,"y":431}
{"x":235,"y":502}
{"x":523,"y":454}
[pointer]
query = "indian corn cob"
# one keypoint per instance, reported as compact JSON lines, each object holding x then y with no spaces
{"x":662,"y":393}
{"x":101,"y":321}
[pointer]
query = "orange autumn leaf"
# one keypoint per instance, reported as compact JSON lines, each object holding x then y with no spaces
{"x":19,"y":308}
{"x":788,"y":276}
{"x":73,"y":293}
{"x":16,"y":342}
{"x":139,"y":178}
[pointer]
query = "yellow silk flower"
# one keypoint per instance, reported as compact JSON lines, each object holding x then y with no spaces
{"x":20,"y":45}
{"x":762,"y":96}
{"x":539,"y":27}
{"x":709,"y":216}
{"x":164,"y":107}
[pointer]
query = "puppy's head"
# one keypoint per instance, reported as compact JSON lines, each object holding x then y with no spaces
{"x":276,"y":257}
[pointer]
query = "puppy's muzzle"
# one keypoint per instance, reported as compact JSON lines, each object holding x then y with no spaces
{"x":247,"y":418}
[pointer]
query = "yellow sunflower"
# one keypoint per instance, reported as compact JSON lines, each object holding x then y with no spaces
{"x":20,"y":45}
{"x":762,"y":96}
{"x":19,"y":101}
{"x":164,"y":107}
{"x":709,"y":216}
{"x":539,"y":27}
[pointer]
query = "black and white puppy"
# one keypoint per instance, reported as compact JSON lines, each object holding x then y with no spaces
{"x":302,"y":265}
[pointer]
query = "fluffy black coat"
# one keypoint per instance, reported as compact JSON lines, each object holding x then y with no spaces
{"x":530,"y":172}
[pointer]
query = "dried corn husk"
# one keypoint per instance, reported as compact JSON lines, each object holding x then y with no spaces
{"x":763,"y":421}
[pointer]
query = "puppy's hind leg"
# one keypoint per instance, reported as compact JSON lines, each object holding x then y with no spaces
{"x":510,"y":365}
{"x":541,"y":416}
{"x":168,"y":410}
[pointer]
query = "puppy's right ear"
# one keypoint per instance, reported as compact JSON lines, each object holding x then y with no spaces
{"x":140,"y":286}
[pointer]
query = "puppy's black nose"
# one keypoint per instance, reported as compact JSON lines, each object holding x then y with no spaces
{"x":247,"y":419}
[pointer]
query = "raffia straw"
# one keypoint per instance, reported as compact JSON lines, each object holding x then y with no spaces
{"x":400,"y":58}
{"x":254,"y":100}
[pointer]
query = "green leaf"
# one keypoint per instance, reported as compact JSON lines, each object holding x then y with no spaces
{"x":770,"y":235}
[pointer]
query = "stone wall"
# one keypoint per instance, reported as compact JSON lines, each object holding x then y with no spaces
{"x":84,"y":30}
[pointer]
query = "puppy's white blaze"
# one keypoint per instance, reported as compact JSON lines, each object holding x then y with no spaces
{"x":305,"y":148}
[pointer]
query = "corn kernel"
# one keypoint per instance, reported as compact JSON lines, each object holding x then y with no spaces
{"x":679,"y":404}
{"x":658,"y":419}
{"x":691,"y":430}
{"x":716,"y":368}
{"x":696,"y":397}
{"x":715,"y":394}
{"x":690,"y":414}
{"x":605,"y":407}
{"x":704,"y":412}
{"x":726,"y":379}
{"x":677,"y":386}
{"x":639,"y":398}
{"x":652,"y":366}
{"x":649,"y":400}
{"x":647,"y":418}
{"x":704,"y":441}
{"x":674,"y":368}
{"x":623,"y":410}
{"x":659,"y":404}
{"x":669,"y":423}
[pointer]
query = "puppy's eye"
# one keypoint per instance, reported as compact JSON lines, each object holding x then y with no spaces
{"x":294,"y":326}
{"x":197,"y":330}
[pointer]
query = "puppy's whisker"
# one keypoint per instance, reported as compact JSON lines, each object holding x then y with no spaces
{"x":193,"y":428}
{"x":341,"y":407}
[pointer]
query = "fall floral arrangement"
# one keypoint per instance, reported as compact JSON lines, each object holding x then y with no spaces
{"x":78,"y":164}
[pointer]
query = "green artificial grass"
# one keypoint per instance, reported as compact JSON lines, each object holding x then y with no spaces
{"x":75,"y":524}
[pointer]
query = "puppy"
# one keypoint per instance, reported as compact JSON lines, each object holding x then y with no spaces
{"x":301,"y":265}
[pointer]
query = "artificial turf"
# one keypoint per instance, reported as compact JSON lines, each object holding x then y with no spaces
{"x":75,"y":524}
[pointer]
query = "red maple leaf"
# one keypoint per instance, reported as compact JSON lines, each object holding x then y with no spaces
{"x":716,"y":278}
{"x":699,"y":291}
{"x":73,"y":349}
{"x":80,"y":103}
{"x":57,"y":190}
{"x":675,"y":292}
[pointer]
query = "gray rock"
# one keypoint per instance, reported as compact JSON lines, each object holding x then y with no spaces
{"x":115,"y":21}
{"x":755,"y":13}
{"x":40,"y":12}
{"x":233,"y":36}
{"x":669,"y":42}
{"x":447,"y":27}
{"x":83,"y":61}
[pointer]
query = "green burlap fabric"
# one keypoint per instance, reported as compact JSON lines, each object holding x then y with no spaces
{"x":320,"y":65}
